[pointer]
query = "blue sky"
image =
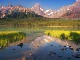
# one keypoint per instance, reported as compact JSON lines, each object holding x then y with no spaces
{"x":46,"y":4}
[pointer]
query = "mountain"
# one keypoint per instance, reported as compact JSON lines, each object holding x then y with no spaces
{"x":6,"y":10}
{"x":70,"y":11}
{"x":48,"y":13}
{"x":74,"y":11}
{"x":77,"y":0}
{"x":38,"y":9}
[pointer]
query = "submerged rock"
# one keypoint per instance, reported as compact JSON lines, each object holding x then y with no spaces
{"x":20,"y":44}
{"x":77,"y":49}
{"x":77,"y":56}
{"x":14,"y":49}
{"x":71,"y":48}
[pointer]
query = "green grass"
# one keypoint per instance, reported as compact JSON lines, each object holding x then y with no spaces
{"x":57,"y":33}
{"x":7,"y":37}
{"x":70,"y":35}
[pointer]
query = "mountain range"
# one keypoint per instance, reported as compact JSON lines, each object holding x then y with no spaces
{"x":70,"y":11}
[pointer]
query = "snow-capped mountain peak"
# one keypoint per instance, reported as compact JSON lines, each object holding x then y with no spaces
{"x":41,"y":9}
{"x":77,"y":0}
{"x":38,"y":9}
{"x":70,"y":11}
{"x":48,"y":11}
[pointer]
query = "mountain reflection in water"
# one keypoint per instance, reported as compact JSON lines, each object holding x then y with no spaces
{"x":42,"y":48}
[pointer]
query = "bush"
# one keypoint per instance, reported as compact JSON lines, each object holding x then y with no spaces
{"x":62,"y":36}
{"x":75,"y":37}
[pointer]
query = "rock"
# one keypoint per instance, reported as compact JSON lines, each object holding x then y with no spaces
{"x":71,"y":48}
{"x":77,"y":56}
{"x":64,"y":46}
{"x":54,"y":53}
{"x":49,"y":54}
{"x":51,"y":45}
{"x":20,"y":44}
{"x":77,"y":49}
{"x":68,"y":57}
{"x":38,"y":46}
{"x":14,"y":49}
{"x":60,"y":56}
{"x":62,"y":49}
{"x":31,"y":54}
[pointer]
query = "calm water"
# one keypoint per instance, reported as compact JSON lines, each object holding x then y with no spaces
{"x":43,"y":51}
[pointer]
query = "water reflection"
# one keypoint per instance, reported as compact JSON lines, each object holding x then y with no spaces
{"x":42,"y":48}
{"x":40,"y":41}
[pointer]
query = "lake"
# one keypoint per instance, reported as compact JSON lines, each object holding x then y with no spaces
{"x":42,"y":48}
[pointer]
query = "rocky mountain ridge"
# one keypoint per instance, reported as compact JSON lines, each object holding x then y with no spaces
{"x":70,"y":11}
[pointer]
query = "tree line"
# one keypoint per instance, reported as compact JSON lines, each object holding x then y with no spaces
{"x":20,"y":15}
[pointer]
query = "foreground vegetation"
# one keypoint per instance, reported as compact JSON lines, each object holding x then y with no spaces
{"x":8,"y":37}
{"x":65,"y":35}
{"x":64,"y":29}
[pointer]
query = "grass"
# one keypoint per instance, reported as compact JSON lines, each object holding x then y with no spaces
{"x":57,"y":33}
{"x":8,"y":32}
{"x":70,"y":35}
{"x":9,"y":37}
{"x":36,"y":27}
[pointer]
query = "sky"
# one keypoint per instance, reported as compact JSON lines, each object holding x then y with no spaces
{"x":46,"y":4}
